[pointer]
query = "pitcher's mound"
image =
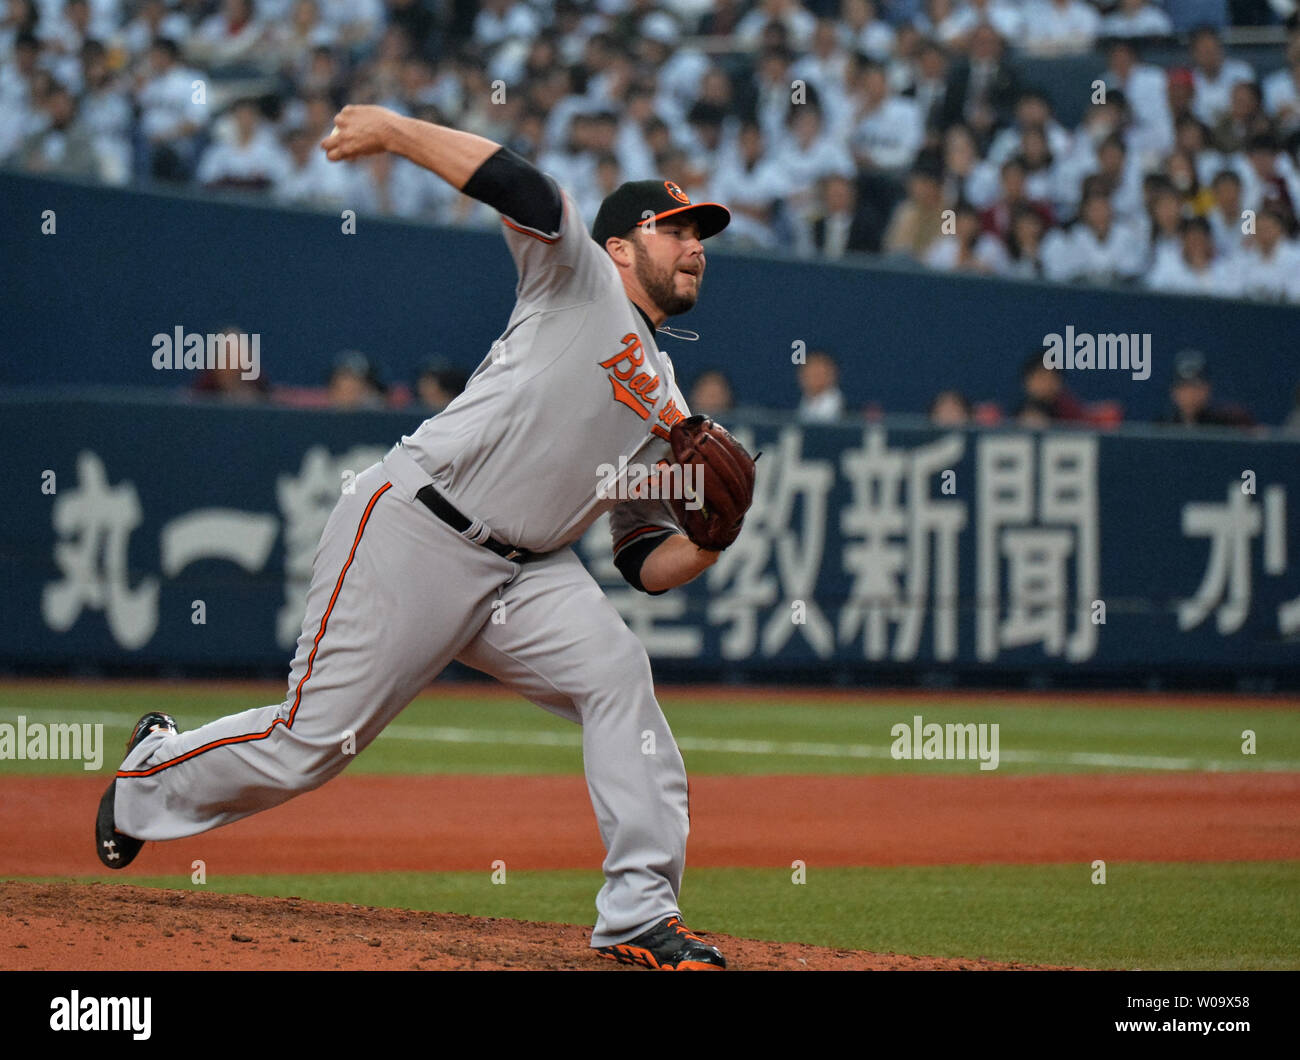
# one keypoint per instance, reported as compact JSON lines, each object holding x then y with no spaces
{"x":66,"y":926}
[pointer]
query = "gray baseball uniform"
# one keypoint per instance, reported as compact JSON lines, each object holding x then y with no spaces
{"x":576,"y":381}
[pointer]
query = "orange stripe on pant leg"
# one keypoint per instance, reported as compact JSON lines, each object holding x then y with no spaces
{"x":311,"y":659}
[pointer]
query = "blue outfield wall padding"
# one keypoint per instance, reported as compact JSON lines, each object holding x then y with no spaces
{"x":82,"y":306}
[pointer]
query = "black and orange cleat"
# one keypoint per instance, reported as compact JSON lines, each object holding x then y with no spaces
{"x":115,"y":849}
{"x":669,"y":946}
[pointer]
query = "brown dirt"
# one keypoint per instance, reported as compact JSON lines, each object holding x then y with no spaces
{"x":434,"y":823}
{"x":57,"y":927}
{"x":365,"y":823}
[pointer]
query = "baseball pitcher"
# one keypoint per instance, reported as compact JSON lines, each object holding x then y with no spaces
{"x":474,"y":515}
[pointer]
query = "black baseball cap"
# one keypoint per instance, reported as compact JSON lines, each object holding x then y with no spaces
{"x":640,"y":201}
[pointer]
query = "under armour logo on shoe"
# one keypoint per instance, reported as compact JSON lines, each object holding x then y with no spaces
{"x":111,"y":844}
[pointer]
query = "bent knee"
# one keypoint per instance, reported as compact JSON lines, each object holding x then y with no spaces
{"x":621,"y":664}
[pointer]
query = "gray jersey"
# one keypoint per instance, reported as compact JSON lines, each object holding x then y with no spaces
{"x":577,"y":380}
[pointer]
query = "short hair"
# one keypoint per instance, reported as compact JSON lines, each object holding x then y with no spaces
{"x":166,"y":44}
{"x":1034,"y":363}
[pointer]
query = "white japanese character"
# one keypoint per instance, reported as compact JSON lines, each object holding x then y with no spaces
{"x":898,"y":524}
{"x":1037,"y":525}
{"x":95,"y":521}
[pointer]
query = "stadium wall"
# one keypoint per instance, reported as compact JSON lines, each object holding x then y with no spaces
{"x":160,"y":537}
{"x":82,"y":304}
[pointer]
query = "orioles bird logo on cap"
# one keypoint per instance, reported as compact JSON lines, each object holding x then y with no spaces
{"x":676,"y":192}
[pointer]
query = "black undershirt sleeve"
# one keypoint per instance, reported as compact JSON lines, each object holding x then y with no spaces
{"x":633,"y":557}
{"x":517,"y":189}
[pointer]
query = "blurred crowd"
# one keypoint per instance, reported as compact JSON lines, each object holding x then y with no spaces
{"x":830,"y":127}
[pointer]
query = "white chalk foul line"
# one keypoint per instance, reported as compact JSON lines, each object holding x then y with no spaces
{"x":785,"y":748}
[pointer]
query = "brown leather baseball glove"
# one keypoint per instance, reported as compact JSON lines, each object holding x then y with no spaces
{"x":723,"y":487}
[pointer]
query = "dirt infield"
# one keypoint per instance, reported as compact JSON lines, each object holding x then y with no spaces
{"x":443,"y":823}
{"x":52,"y":927}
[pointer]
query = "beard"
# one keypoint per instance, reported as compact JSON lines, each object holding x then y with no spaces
{"x":660,"y":285}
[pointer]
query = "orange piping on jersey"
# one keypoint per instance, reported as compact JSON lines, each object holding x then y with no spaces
{"x":548,"y":240}
{"x":640,"y":531}
{"x":311,"y":659}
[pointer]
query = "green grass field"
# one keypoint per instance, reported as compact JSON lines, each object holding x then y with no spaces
{"x":1148,"y":915}
{"x":790,"y":734}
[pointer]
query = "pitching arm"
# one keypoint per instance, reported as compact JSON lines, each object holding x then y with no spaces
{"x":470,"y":163}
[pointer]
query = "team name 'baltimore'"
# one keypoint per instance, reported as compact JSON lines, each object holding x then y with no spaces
{"x":638,"y":388}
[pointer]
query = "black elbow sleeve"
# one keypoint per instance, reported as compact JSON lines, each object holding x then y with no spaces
{"x":633,"y":557}
{"x":517,"y":189}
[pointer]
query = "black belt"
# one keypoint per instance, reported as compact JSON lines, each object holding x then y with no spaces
{"x":452,"y":516}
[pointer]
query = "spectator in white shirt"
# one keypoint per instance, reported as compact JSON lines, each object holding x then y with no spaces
{"x":1195,"y":270}
{"x":966,"y":175}
{"x":64,"y":147}
{"x":1192,"y":137}
{"x":1213,"y":75}
{"x":245,"y":153}
{"x":356,"y":21}
{"x":1032,"y":111}
{"x":172,"y":113}
{"x":798,"y":22}
{"x":752,"y":185}
{"x":1060,"y":27}
{"x":1136,"y":18}
{"x":1097,"y":249}
{"x":1012,"y":196}
{"x":1024,"y":242}
{"x":293,"y":41}
{"x":822,"y":401}
{"x":153,"y":20}
{"x":20,"y":115}
{"x":309,"y":178}
{"x":772,"y":81}
{"x":1226,"y":221}
{"x":1244,"y":120}
{"x":827,"y":63}
{"x":606,"y":179}
{"x":1146,"y":88}
{"x":1122,"y":175}
{"x":864,"y":31}
{"x":967,"y":249}
{"x":1282,"y":90}
{"x":1164,"y":223}
{"x":1005,"y":17}
{"x":1041,"y":173}
{"x":707,"y":124}
{"x":61,"y":43}
{"x":106,"y":114}
{"x":233,"y":36}
{"x":888,"y":130}
{"x":932,"y":15}
{"x":1270,"y":268}
{"x":808,"y":153}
